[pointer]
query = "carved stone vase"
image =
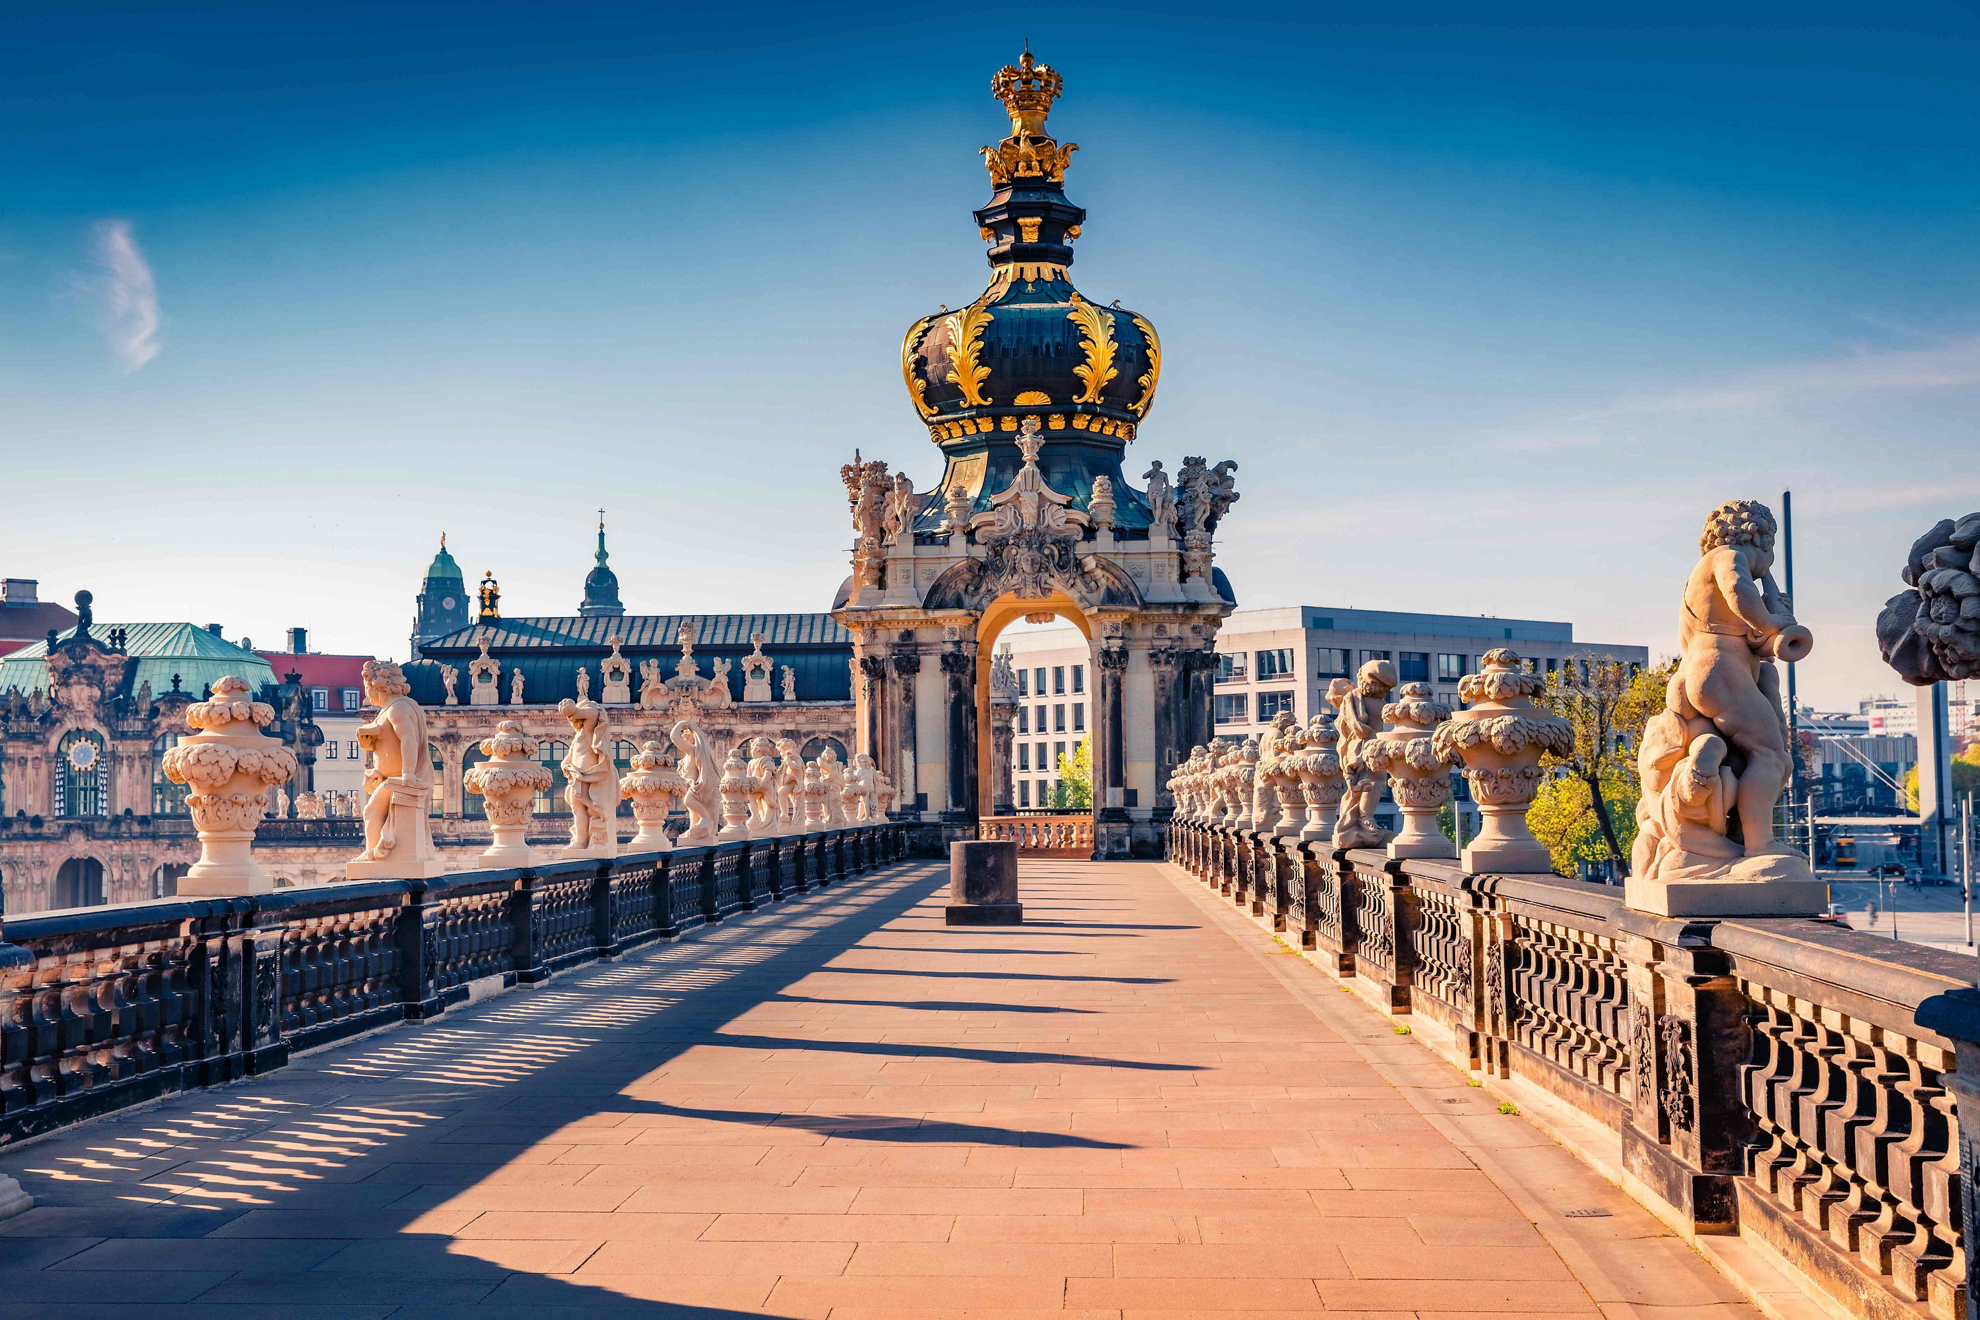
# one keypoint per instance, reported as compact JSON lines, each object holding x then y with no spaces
{"x":230,"y":765}
{"x":1321,"y":780}
{"x":508,"y":782}
{"x":735,"y":790}
{"x":1419,"y":774}
{"x":814,"y":799}
{"x":652,"y":787}
{"x":1501,"y":739}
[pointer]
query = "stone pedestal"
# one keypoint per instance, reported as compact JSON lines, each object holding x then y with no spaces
{"x":1727,"y":898}
{"x":983,"y":884}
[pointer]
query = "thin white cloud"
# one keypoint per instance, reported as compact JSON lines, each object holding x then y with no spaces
{"x":127,"y":295}
{"x":1953,"y":364}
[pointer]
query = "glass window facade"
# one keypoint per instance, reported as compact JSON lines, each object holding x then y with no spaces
{"x":1232,"y":707}
{"x":1413,"y":666}
{"x":1275,"y":663}
{"x":1330,"y":662}
{"x":1271,"y":703}
{"x":1450,"y":668}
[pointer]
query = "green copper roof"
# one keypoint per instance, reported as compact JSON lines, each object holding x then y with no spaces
{"x":443,"y":565}
{"x":162,"y":650}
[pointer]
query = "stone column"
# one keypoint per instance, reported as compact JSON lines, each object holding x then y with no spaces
{"x":906,"y":772}
{"x":959,"y":668}
{"x":1199,"y":721}
{"x":1110,"y":789}
{"x":872,"y":705}
{"x":1169,"y":752}
{"x":1003,"y":721}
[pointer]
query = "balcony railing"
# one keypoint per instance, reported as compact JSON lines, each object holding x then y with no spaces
{"x":1785,"y":1078}
{"x":1042,"y":835}
{"x":106,"y":1007}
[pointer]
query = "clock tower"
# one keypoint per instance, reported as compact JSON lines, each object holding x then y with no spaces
{"x":443,"y":600}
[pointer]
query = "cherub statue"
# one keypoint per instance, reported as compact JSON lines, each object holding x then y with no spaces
{"x":790,"y":683}
{"x":1359,"y":720}
{"x":515,"y":686}
{"x":763,"y":803}
{"x":701,"y":770}
{"x":398,"y":785}
{"x":1734,"y":624}
{"x":448,"y":677}
{"x":857,"y":796}
{"x":583,"y":684}
{"x":652,"y":687}
{"x":832,"y":774}
{"x":790,"y":786}
{"x":591,"y":781}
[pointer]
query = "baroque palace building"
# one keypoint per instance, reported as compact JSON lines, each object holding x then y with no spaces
{"x":1032,"y":392}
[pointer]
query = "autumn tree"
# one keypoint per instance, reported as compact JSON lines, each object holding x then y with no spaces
{"x":1588,"y":808}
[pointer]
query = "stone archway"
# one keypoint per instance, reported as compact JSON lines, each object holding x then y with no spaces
{"x":998,"y":615}
{"x":79,"y":883}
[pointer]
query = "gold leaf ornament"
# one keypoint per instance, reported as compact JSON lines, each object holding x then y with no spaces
{"x":1154,"y":373}
{"x":1096,"y":329}
{"x":917,"y":387}
{"x":965,"y":342}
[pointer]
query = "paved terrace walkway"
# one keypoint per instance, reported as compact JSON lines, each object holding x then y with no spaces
{"x":1134,"y":1106}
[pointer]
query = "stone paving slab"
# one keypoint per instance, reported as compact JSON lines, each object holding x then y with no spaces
{"x":1134,"y":1106}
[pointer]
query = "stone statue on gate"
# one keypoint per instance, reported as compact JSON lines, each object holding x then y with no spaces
{"x":1714,"y":761}
{"x":398,"y":785}
{"x":515,"y":687}
{"x":756,"y":671}
{"x":448,"y":677}
{"x":615,"y":673}
{"x":591,"y":781}
{"x":790,"y":683}
{"x":484,"y":679}
{"x":1161,"y":501}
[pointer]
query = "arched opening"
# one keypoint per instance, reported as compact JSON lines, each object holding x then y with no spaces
{"x":165,"y":880}
{"x":550,"y":755}
{"x":623,"y":753}
{"x":815,"y":748}
{"x":436,"y":803}
{"x":472,"y":806}
{"x":999,"y":616}
{"x":79,"y":883}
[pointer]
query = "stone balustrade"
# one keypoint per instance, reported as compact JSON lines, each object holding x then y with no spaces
{"x":1066,"y":835}
{"x":1784,"y":1079}
{"x":106,"y":1007}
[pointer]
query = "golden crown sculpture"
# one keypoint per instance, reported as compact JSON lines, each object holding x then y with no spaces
{"x":1027,"y":90}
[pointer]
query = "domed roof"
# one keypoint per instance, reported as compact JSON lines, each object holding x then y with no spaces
{"x":443,"y":565}
{"x":1031,"y":345}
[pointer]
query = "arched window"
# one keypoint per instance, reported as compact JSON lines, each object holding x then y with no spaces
{"x":79,"y":883}
{"x":82,"y":776}
{"x":550,"y":755}
{"x":814,"y":749}
{"x":167,"y":798}
{"x":472,"y":805}
{"x":165,"y":880}
{"x":436,"y":805}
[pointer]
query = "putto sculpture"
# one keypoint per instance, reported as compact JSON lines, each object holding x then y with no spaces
{"x":591,"y":781}
{"x":229,"y":765}
{"x":398,"y":785}
{"x":508,"y":782}
{"x":1722,"y":717}
{"x":1501,"y":737}
{"x":702,"y":774}
{"x":1930,"y":632}
{"x":515,"y":687}
{"x":1358,"y":722}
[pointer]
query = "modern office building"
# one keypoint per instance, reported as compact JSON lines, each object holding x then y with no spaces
{"x":1271,"y":660}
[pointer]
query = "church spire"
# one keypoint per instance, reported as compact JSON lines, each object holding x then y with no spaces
{"x":601,"y":584}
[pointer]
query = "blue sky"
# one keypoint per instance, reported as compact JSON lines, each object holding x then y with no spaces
{"x":1490,"y":307}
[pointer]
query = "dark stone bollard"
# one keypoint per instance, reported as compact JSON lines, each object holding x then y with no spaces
{"x":983,"y":884}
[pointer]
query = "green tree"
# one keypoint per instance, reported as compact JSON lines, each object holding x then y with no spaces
{"x":1607,"y":702}
{"x":1073,"y":790}
{"x":1965,"y":776}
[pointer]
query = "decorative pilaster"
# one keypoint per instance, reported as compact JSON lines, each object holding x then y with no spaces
{"x":959,"y":669}
{"x":872,"y":707}
{"x":906,"y":772}
{"x":1170,"y":751}
{"x":1110,"y":794}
